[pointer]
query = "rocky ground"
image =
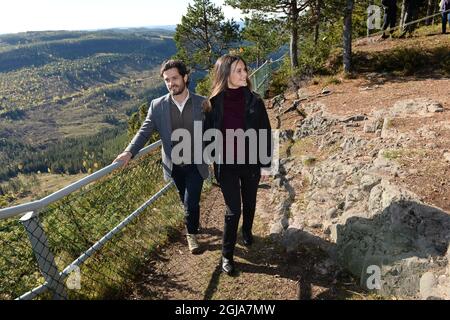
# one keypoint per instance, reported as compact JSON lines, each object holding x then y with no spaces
{"x":365,"y":174}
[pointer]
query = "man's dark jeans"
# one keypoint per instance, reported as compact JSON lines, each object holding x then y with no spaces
{"x":238,"y":182}
{"x":189,"y":183}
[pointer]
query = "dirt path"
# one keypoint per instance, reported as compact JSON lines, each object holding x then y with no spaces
{"x":265,"y":271}
{"x":177,"y":274}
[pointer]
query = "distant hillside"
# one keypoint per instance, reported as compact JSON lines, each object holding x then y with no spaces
{"x":39,"y":36}
{"x":58,"y":84}
{"x":34,"y":52}
{"x":35,"y":67}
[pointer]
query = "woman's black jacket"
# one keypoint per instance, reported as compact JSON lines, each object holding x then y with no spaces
{"x":255,"y":118}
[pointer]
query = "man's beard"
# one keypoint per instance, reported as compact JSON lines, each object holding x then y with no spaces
{"x":176,"y":90}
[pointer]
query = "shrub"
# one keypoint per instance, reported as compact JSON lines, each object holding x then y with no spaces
{"x":203,"y":87}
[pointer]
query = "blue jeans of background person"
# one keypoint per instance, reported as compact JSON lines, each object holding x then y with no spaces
{"x":445,"y":18}
{"x":189,"y":183}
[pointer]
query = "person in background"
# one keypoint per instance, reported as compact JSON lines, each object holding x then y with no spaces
{"x":444,"y":6}
{"x":411,"y":7}
{"x":390,"y":17}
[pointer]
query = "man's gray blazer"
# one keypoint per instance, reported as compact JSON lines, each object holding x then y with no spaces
{"x":158,"y":118}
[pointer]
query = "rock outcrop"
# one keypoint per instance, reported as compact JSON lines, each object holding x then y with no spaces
{"x":382,"y":233}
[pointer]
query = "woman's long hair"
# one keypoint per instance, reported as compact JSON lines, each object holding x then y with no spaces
{"x":221,"y":73}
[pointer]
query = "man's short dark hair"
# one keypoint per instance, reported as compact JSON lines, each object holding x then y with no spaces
{"x":169,"y":64}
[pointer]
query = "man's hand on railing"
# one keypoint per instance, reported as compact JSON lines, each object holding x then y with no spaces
{"x":124,"y":157}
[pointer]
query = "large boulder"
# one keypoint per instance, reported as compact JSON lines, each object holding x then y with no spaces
{"x":402,"y":237}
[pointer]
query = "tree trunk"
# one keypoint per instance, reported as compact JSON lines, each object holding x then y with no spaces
{"x":317,"y":26}
{"x":258,"y":59}
{"x":347,"y":54}
{"x":434,"y":10}
{"x":402,"y":15}
{"x":430,"y":9}
{"x":207,"y":41}
{"x":293,"y":48}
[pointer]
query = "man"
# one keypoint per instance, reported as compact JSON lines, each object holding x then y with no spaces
{"x":411,"y":7}
{"x":390,"y":17}
{"x":176,"y":110}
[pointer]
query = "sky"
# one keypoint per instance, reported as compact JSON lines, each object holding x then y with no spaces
{"x":38,"y":15}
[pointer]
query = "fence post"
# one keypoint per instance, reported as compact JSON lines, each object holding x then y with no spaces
{"x":44,"y":257}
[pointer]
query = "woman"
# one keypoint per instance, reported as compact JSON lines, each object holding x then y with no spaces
{"x":237,"y":167}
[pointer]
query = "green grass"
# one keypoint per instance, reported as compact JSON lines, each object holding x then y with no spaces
{"x":416,"y":56}
{"x":332,"y":80}
{"x":401,"y":154}
{"x":309,"y":161}
{"x":29,"y":187}
{"x":392,"y":154}
{"x":405,"y":60}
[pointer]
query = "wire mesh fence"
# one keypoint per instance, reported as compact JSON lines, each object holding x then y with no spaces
{"x":261,"y":77}
{"x":73,"y":225}
{"x":18,"y":270}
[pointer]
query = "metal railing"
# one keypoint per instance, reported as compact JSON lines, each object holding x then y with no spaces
{"x":261,"y":77}
{"x":73,"y":230}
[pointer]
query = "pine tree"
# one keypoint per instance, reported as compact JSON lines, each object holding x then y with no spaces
{"x":265,"y":37}
{"x":203,"y":34}
{"x":288,"y":10}
{"x":348,"y":36}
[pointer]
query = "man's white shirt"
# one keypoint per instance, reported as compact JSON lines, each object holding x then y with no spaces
{"x":181,"y":105}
